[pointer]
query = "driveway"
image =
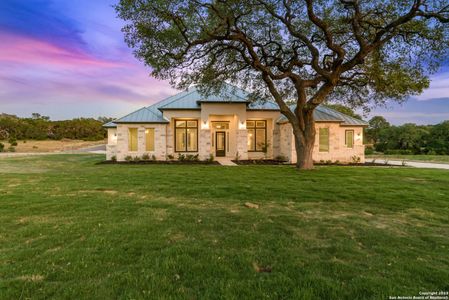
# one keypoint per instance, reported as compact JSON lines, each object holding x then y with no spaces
{"x":415,"y":164}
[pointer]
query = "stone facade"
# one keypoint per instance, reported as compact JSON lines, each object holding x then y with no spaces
{"x":160,"y":145}
{"x":338,"y":151}
{"x":280,"y":137}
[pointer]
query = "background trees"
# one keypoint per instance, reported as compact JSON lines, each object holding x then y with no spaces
{"x":408,"y":138}
{"x":41,"y":127}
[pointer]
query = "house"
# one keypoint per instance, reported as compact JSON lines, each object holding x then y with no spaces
{"x":226,"y":124}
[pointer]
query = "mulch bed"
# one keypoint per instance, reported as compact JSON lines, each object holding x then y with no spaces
{"x":260,"y":162}
{"x":274,"y":162}
{"x":159,"y":162}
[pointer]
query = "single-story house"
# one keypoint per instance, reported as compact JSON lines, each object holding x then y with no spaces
{"x":227,"y":124}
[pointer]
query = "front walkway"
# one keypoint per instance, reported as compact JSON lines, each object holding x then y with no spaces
{"x":225,"y":161}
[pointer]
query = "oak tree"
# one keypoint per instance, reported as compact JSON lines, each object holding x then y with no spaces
{"x":361,"y":52}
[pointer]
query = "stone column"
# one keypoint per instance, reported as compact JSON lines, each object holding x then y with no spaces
{"x":242,"y":143}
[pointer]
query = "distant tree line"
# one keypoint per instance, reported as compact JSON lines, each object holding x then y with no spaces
{"x":408,"y":138}
{"x":41,"y":128}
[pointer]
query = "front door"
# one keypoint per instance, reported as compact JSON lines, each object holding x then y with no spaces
{"x":220,"y":143}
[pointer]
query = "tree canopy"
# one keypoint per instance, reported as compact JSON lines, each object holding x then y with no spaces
{"x":360,"y":52}
{"x":366,"y":50}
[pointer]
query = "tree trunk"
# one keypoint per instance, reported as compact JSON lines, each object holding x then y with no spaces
{"x":304,"y":142}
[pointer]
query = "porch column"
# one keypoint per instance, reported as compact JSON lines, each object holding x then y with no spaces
{"x":204,"y":139}
{"x":242,"y":139}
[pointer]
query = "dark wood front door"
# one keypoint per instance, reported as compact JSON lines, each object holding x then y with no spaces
{"x":220,"y":143}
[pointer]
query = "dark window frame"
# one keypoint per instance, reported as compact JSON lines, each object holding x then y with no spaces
{"x":185,"y":128}
{"x":255,"y":135}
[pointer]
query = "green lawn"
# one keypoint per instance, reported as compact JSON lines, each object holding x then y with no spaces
{"x":72,"y":229}
{"x":426,"y":158}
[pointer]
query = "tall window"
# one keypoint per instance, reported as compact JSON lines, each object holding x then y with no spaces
{"x":349,"y":138}
{"x":132,"y":139}
{"x":257,"y":135}
{"x":149,"y":139}
{"x":324,"y":140}
{"x":186,"y":135}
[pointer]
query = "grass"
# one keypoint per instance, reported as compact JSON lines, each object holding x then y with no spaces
{"x":72,"y":229}
{"x":425,"y":158}
{"x":51,"y":145}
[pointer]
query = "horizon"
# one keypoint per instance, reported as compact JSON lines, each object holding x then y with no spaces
{"x":67,"y":60}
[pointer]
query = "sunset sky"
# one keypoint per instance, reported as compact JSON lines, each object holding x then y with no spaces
{"x":67,"y":58}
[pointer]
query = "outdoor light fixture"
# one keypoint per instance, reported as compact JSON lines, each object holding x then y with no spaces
{"x":242,"y":125}
{"x":204,"y":125}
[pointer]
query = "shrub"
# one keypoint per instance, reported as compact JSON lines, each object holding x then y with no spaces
{"x":355,"y":159}
{"x":181,"y":157}
{"x":128,"y":158}
{"x":146,"y":156}
{"x":210,"y":158}
{"x":398,"y":151}
{"x":12,"y":141}
{"x":11,"y":149}
{"x":114,"y":158}
{"x":369,"y":150}
{"x":136,"y":158}
{"x":153,"y":157}
{"x":170,"y":157}
{"x":2,"y":147}
{"x":281,"y":158}
{"x":191,"y":157}
{"x":237,"y":156}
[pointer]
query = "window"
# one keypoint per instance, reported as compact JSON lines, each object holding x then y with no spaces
{"x":149,"y":139}
{"x":257,"y":135}
{"x":132,"y":139}
{"x":324,"y":140}
{"x":349,"y":138}
{"x":220,"y":125}
{"x":186,"y":135}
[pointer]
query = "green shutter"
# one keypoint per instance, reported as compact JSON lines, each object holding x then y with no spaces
{"x":324,"y":139}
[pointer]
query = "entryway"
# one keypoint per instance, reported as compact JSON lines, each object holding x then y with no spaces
{"x":220,"y":143}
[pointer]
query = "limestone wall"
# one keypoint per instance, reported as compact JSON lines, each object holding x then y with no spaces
{"x":337,"y":148}
{"x":160,"y":137}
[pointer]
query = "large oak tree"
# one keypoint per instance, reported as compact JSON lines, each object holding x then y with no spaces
{"x":361,"y":52}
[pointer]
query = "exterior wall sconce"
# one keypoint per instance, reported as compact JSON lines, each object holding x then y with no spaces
{"x":242,"y":125}
{"x":204,"y":125}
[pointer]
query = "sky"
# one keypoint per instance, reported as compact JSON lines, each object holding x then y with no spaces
{"x":66,"y":59}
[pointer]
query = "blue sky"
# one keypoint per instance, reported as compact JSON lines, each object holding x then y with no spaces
{"x":67,"y":59}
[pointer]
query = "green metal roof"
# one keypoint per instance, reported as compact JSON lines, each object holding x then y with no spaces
{"x":110,"y":125}
{"x":192,"y":99}
{"x":323,"y":113}
{"x":143,"y":115}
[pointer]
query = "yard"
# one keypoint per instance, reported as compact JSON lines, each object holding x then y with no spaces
{"x":51,"y":145}
{"x":72,"y":229}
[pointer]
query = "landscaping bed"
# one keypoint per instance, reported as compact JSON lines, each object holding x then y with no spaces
{"x":281,"y":162}
{"x":160,"y":162}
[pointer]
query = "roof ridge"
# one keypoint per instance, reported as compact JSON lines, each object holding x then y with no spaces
{"x":130,"y":113}
{"x":183,"y":96}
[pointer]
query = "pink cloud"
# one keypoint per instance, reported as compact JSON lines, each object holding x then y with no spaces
{"x":26,"y":50}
